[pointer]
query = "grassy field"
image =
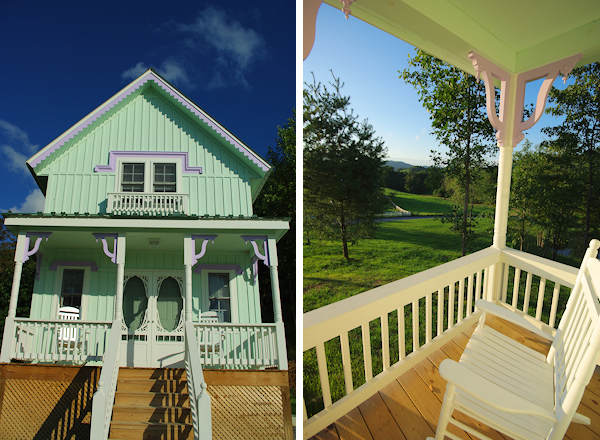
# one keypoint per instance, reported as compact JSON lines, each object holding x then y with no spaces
{"x":419,"y":204}
{"x":398,"y":249}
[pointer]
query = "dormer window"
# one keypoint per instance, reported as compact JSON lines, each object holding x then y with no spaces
{"x":132,"y":179}
{"x":149,"y":175}
{"x":165,"y":177}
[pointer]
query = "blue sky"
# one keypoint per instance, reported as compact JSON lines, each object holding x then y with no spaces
{"x":60,"y":61}
{"x":368,"y":60}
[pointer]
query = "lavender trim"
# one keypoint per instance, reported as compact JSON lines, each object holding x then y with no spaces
{"x":112,"y":160}
{"x":92,"y":265}
{"x":148,"y":76}
{"x":201,"y":267}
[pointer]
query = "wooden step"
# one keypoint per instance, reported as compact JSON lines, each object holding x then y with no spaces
{"x":151,"y":385}
{"x":153,"y":415}
{"x":152,"y":373}
{"x":153,"y":400}
{"x":150,"y":431}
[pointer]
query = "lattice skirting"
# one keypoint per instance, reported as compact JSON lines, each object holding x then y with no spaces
{"x":46,"y":402}
{"x":250,"y":412}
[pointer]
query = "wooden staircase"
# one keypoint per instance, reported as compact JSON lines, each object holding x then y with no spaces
{"x":151,"y":403}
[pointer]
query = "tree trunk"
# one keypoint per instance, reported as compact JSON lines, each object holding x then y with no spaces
{"x":590,"y":195}
{"x":466,"y":200}
{"x":344,"y":233}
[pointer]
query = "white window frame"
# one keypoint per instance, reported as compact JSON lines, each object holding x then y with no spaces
{"x":148,"y":172}
{"x":232,"y":292}
{"x":84,"y":290}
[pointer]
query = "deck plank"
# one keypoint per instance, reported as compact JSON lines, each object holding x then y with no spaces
{"x":353,"y":427}
{"x":379,"y":420}
{"x":409,"y":407}
{"x":406,"y":414}
{"x":425,"y":401}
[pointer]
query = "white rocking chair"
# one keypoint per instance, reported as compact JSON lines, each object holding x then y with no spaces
{"x":517,"y":390}
{"x":68,"y":335}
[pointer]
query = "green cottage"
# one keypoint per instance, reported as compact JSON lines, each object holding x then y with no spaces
{"x":147,"y":270}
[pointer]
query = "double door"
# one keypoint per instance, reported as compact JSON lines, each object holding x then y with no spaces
{"x":153,"y":318}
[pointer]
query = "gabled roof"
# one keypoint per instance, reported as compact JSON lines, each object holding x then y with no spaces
{"x":256,"y":162}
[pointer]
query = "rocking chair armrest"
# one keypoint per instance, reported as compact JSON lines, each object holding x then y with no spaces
{"x":516,"y":317}
{"x":488,"y":392}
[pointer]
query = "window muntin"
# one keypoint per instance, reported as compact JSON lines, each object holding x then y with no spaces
{"x":165,"y":177}
{"x":132,"y":179}
{"x":71,"y":288}
{"x":219,"y":296}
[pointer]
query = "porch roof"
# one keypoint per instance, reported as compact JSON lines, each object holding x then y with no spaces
{"x":513,"y":34}
{"x":273,"y":227}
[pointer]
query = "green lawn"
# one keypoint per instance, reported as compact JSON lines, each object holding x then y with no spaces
{"x":419,"y":204}
{"x":399,"y":249}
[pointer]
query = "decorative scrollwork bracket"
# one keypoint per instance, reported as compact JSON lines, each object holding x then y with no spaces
{"x":103,"y":236}
{"x":254,"y":240}
{"x":490,"y":72}
{"x":39,"y":236}
{"x":205,"y":240}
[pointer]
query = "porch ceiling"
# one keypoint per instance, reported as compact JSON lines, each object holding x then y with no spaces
{"x":514,"y":34}
{"x":155,"y":241}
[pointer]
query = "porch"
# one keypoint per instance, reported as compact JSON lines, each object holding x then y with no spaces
{"x":364,"y":347}
{"x":409,"y":406}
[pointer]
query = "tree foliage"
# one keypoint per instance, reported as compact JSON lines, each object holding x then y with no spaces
{"x":578,"y":135}
{"x":343,"y":166}
{"x":278,"y":199}
{"x":456,"y":105}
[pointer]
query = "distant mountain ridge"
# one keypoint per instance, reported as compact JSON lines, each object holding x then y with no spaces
{"x":398,"y":165}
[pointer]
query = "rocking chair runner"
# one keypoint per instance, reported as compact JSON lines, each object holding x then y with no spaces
{"x":517,"y":390}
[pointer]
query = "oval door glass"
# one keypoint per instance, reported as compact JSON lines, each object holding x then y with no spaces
{"x":169,"y":304}
{"x":135,"y":303}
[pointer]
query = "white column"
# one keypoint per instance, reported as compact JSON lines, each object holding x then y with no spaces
{"x":121,"y":244}
{"x":188,"y":253}
{"x":9,"y":324}
{"x":278,"y":317}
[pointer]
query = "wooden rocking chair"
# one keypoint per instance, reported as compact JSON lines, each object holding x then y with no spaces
{"x":519,"y":391}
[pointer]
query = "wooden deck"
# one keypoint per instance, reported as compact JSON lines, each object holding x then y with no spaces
{"x":409,"y":407}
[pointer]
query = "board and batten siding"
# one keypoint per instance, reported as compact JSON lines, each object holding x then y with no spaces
{"x":148,"y":121}
{"x":101,"y":284}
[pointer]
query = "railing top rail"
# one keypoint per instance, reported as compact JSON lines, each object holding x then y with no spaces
{"x":62,"y":321}
{"x":327,"y":322}
{"x":233,"y":325}
{"x":548,"y":269}
{"x":128,"y":193}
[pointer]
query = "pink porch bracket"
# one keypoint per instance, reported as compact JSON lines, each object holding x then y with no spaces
{"x":254,"y":241}
{"x":205,"y":239}
{"x":489,"y":72}
{"x":103,"y":236}
{"x":36,"y":246}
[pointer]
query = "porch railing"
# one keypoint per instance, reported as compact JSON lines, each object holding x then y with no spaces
{"x":104,"y":397}
{"x":238,"y":346}
{"x":130,"y":203}
{"x":199,"y":397}
{"x":38,"y":340}
{"x":358,"y":345}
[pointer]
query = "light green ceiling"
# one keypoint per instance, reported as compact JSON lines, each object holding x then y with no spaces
{"x":516,"y":34}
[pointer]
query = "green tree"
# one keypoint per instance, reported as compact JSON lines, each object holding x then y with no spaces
{"x":456,"y":104}
{"x":278,"y":199}
{"x":343,"y":165}
{"x":7,"y":267}
{"x":579,"y":133}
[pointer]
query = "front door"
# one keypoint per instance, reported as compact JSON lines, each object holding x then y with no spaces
{"x":153,"y":319}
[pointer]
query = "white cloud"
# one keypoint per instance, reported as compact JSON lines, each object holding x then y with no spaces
{"x":13,"y":133}
{"x":135,"y":71}
{"x":417,"y":137}
{"x":229,"y":37}
{"x":14,"y":159}
{"x":34,"y":202}
{"x":169,"y":69}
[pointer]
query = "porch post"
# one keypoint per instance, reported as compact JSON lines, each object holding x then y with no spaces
{"x":278,"y":317}
{"x":9,"y":324}
{"x":120,"y":277}
{"x":510,"y":124}
{"x":188,"y":253}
